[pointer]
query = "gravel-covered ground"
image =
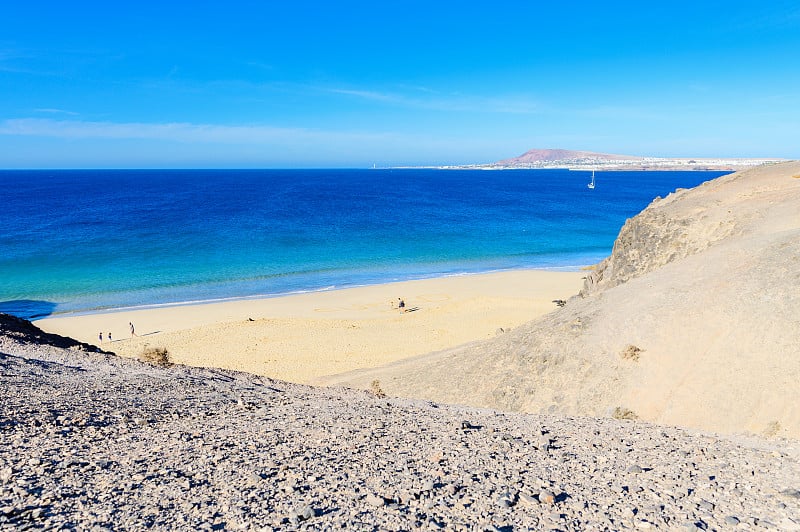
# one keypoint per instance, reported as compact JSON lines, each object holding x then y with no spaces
{"x":93,"y":441}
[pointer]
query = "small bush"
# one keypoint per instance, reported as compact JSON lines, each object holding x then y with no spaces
{"x":156,"y":356}
{"x":624,"y":413}
{"x":376,"y":389}
{"x":773,"y":428}
{"x":631,"y":352}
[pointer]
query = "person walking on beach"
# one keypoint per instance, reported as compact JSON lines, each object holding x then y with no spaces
{"x":133,"y":331}
{"x":109,"y":337}
{"x":401,"y":304}
{"x":101,"y":337}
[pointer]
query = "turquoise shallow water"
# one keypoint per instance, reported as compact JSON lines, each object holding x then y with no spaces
{"x":78,"y":241}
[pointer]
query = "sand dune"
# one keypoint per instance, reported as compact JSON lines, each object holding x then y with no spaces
{"x":694,"y":320}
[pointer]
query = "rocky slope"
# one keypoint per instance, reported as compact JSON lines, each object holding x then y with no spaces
{"x":93,"y":441}
{"x":694,"y":320}
{"x":23,"y":331}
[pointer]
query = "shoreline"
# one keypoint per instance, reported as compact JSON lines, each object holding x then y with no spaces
{"x":305,"y":336}
{"x":387,"y":228}
{"x":299,"y":292}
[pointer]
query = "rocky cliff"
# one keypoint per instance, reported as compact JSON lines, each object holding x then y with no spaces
{"x":664,"y":233}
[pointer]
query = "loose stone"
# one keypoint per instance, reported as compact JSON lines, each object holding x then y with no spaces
{"x":547,"y":497}
{"x":305,"y":513}
{"x":731,"y":520}
{"x":375,"y":500}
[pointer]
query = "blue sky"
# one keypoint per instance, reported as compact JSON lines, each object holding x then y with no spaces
{"x":347,"y":84}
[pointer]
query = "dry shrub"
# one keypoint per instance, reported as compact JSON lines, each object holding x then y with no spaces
{"x":156,"y":356}
{"x":624,"y":413}
{"x":631,"y":352}
{"x":376,"y":389}
{"x":773,"y":428}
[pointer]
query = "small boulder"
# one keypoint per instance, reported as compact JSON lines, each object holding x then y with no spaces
{"x":375,"y":500}
{"x":547,"y":497}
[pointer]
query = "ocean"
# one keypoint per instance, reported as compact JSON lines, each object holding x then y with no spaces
{"x":88,"y":240}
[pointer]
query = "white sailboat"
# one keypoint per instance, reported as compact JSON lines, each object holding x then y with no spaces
{"x":591,"y":185}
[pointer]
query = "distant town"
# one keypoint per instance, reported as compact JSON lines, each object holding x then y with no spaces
{"x":583,"y":160}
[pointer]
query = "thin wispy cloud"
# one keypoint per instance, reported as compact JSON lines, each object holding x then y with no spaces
{"x":432,"y":100}
{"x":618,"y":112}
{"x":409,"y":97}
{"x":9,"y":61}
{"x":59,"y":62}
{"x":175,"y":131}
{"x":423,"y":89}
{"x":54,"y":111}
{"x":371,"y":95}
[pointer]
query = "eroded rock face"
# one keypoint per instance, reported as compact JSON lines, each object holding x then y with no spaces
{"x":662,"y":233}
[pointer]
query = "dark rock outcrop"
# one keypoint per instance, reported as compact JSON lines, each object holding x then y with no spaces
{"x":24,"y":331}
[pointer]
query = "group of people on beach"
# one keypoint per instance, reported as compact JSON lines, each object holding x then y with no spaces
{"x":132,"y":328}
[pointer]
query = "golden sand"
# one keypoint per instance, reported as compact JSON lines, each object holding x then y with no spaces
{"x":302,"y":337}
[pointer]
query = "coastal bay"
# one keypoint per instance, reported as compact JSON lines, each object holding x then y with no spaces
{"x":152,"y":237}
{"x":556,"y":424}
{"x":283,"y":266}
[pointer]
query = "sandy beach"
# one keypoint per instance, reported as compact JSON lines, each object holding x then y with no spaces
{"x":302,"y":337}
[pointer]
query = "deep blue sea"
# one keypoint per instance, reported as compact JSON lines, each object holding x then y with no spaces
{"x":82,"y":241}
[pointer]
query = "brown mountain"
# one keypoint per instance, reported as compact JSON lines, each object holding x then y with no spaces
{"x":546,"y":157}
